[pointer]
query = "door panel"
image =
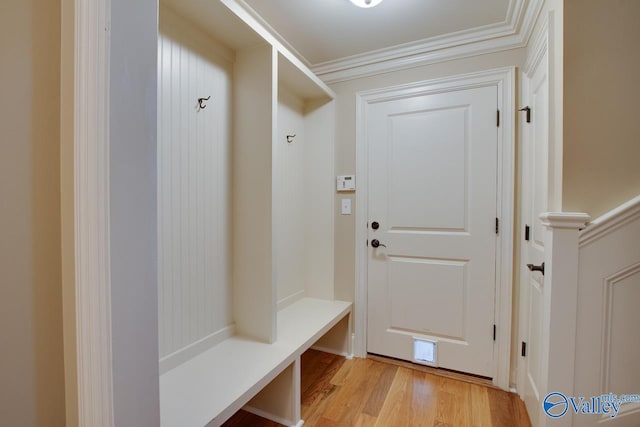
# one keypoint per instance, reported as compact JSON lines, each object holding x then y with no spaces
{"x":433,"y":174}
{"x":413,"y":164}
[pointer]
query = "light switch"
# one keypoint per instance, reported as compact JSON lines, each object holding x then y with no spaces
{"x":346,"y":206}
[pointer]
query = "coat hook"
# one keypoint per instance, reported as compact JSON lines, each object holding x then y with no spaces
{"x":201,"y":102}
{"x":290,"y":138}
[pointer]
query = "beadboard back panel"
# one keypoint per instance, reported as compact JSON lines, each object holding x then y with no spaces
{"x":194,"y":190}
{"x":290,"y":199}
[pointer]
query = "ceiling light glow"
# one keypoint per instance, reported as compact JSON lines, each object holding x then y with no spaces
{"x":366,"y":3}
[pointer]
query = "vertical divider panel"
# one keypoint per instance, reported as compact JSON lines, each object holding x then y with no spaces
{"x":255,"y":93}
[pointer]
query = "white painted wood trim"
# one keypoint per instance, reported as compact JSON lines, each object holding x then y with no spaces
{"x":256,"y":23}
{"x":504,"y":80}
{"x":268,"y":416}
{"x":512,"y":33}
{"x":568,"y":220}
{"x":184,"y":354}
{"x":560,"y":306}
{"x":91,"y":188}
{"x":612,"y":220}
{"x":291,"y":299}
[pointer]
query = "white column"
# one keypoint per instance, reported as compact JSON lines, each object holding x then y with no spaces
{"x":560,"y":307}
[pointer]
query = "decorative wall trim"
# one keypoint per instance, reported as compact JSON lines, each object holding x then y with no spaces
{"x":539,"y":46}
{"x":179,"y":357}
{"x":286,"y":302}
{"x":504,"y":80}
{"x":612,"y":220}
{"x":91,"y":212}
{"x":513,"y":33}
{"x":270,"y":417}
{"x":570,"y":220}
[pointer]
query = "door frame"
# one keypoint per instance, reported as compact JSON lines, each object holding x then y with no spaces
{"x":504,"y":80}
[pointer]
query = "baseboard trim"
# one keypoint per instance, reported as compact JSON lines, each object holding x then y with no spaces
{"x":287,"y":301}
{"x":271,"y":417}
{"x":344,"y":354}
{"x":177,"y":358}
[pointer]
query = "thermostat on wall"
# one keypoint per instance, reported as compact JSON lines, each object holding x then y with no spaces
{"x":346,"y":183}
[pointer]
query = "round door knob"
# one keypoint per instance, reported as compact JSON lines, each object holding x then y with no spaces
{"x":375,"y":225}
{"x":376,"y":243}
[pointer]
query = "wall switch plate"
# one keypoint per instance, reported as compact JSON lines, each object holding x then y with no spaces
{"x":346,"y":183}
{"x":346,"y":206}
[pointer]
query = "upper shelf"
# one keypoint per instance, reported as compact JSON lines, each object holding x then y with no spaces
{"x":217,"y":20}
{"x":235,"y":27}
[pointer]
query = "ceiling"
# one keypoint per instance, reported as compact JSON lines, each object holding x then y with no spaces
{"x":322,"y":31}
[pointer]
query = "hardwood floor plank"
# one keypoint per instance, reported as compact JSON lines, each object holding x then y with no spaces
{"x":380,"y":391}
{"x":394,"y":410}
{"x":340,"y":376}
{"x":423,"y":400}
{"x":501,"y":408}
{"x":365,"y":420}
{"x":352,"y":396}
{"x":521,"y":417}
{"x":480,"y":409}
{"x":312,"y":366}
{"x":321,"y":386}
{"x":453,"y":404}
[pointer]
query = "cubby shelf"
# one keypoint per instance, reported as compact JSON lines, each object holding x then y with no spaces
{"x":212,"y":386}
{"x":232,"y":330}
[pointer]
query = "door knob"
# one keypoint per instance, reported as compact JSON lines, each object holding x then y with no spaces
{"x":532,"y":267}
{"x":376,"y":243}
{"x":375,"y":225}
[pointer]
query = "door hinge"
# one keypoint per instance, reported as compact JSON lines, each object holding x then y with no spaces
{"x":497,"y":226}
{"x":526,"y":232}
{"x":498,"y":118}
{"x":494,"y":331}
{"x":523,"y":351}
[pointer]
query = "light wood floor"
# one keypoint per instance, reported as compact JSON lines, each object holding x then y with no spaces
{"x":368,"y":392}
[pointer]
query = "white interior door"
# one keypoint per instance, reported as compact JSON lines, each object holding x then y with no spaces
{"x":432,"y":191}
{"x":535,"y":192}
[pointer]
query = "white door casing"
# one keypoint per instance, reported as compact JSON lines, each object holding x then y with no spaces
{"x":501,"y":83}
{"x":535,"y":196}
{"x":432,"y":188}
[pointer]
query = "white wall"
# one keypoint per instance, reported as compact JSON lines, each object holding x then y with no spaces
{"x":134,"y":296}
{"x":31,"y":359}
{"x":194,"y":187}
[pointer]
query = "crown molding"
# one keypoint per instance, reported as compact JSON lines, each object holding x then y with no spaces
{"x":512,"y":33}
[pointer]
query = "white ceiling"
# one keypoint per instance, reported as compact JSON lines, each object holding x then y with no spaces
{"x":328,"y":31}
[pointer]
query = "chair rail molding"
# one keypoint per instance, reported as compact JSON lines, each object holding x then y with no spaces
{"x":91,"y":213}
{"x":611,"y":221}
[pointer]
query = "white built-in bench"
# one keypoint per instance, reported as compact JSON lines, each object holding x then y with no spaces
{"x":209,"y":388}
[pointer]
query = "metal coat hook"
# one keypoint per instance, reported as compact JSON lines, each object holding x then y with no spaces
{"x":201,"y":103}
{"x":290,"y":138}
